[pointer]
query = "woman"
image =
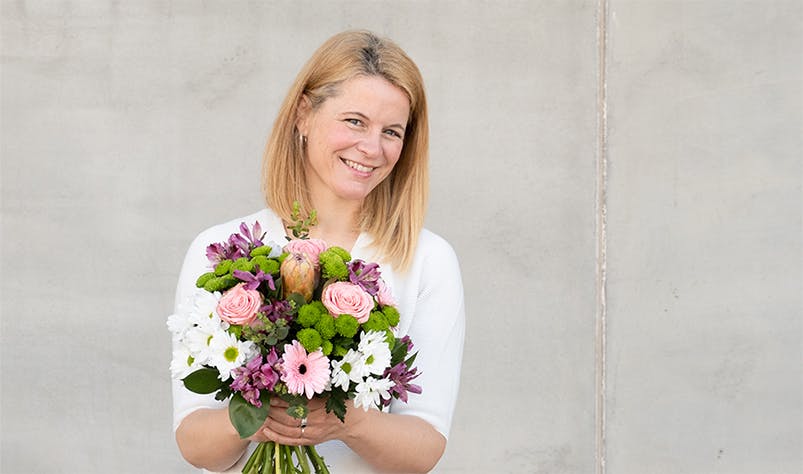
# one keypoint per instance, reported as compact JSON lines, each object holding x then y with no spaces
{"x":351,"y":142}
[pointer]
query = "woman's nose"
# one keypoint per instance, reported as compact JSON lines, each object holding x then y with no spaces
{"x":370,"y":144}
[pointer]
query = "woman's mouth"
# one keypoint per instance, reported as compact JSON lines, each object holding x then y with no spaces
{"x":356,"y":166}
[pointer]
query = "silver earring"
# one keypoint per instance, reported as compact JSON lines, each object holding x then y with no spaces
{"x":302,"y":140}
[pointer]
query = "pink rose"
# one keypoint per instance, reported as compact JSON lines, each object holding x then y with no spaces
{"x":384,"y":296}
{"x":239,"y":306}
{"x":343,"y":297}
{"x":310,"y":247}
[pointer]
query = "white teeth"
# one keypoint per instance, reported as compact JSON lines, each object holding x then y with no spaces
{"x":357,"y":166}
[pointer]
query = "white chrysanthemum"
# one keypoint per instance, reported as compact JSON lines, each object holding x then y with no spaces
{"x":346,"y":369}
{"x":371,"y":391}
{"x":179,"y":323}
{"x":376,"y":353}
{"x":228,"y":353}
{"x":204,"y":308}
{"x":198,"y":340}
{"x":195,"y":309}
{"x":183,"y":363}
{"x":356,"y":365}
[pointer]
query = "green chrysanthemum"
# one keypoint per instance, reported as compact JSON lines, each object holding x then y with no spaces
{"x":346,"y":325}
{"x":223,"y":267}
{"x":267,"y":265}
{"x":308,"y":315}
{"x":326,"y":326}
{"x":263,"y":251}
{"x":203,"y":279}
{"x":310,"y":339}
{"x":333,"y":263}
{"x":376,"y":322}
{"x":242,"y":264}
{"x":326,"y":347}
{"x":392,"y":315}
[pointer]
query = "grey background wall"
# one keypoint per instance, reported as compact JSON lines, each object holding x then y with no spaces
{"x":623,"y":182}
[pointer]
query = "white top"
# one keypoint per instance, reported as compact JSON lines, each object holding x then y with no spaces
{"x":430,"y":301}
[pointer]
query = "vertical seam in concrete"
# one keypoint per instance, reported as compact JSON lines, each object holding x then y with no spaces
{"x":601,"y":244}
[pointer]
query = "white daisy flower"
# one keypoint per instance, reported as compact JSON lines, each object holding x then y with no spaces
{"x":343,"y":370}
{"x":375,"y":351}
{"x":356,"y":363}
{"x":371,"y":391}
{"x":198,"y":340}
{"x":204,"y":309}
{"x":183,"y":363}
{"x":228,"y":353}
{"x":179,"y":323}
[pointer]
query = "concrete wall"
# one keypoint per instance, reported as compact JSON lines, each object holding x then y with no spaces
{"x":621,"y":179}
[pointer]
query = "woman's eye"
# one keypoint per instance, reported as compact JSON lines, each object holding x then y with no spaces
{"x":393,"y":133}
{"x":354,"y":121}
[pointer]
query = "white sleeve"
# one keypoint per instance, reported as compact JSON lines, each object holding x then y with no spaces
{"x":195,"y":264}
{"x":437,"y":331}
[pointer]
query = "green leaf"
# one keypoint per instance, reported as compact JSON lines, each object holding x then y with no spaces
{"x":204,"y":380}
{"x":247,"y":418}
{"x":336,"y":403}
{"x":223,"y":393}
{"x":409,"y":362}
{"x":398,"y":353}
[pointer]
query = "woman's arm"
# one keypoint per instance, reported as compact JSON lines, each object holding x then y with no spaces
{"x":395,"y":443}
{"x":207,"y":439}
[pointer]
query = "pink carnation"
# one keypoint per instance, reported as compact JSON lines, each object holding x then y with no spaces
{"x":347,"y":298}
{"x":310,"y":247}
{"x":239,"y":306}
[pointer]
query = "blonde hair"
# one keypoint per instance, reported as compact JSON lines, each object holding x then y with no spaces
{"x":393,"y":213}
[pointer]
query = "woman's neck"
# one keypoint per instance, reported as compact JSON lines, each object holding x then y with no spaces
{"x":337,"y":222}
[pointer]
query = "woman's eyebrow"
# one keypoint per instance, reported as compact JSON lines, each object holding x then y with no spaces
{"x":366,"y":118}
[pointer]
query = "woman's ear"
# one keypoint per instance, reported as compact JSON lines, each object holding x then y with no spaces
{"x":303,"y":112}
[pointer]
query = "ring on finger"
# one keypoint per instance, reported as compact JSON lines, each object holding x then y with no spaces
{"x":304,"y":422}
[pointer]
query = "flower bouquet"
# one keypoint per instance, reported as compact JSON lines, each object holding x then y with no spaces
{"x":295,"y":322}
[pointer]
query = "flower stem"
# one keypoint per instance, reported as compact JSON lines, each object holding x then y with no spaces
{"x":278,"y":458}
{"x":302,"y":460}
{"x":257,"y":454}
{"x":317,"y":460}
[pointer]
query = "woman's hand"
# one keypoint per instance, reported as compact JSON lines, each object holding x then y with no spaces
{"x":282,"y":428}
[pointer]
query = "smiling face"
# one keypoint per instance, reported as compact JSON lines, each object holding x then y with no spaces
{"x":354,"y":138}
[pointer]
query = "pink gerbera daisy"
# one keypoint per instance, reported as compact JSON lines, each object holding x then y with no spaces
{"x":304,"y":373}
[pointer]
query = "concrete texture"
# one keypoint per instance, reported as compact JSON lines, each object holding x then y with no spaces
{"x":704,"y":237}
{"x":664,"y":338}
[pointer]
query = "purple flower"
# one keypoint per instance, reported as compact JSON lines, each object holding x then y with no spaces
{"x":252,"y":281}
{"x":258,"y":374}
{"x":238,"y":245}
{"x":277,"y":310}
{"x":401,"y":377}
{"x":366,"y":275}
{"x":253,"y":236}
{"x":408,"y":342}
{"x":216,"y":253}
